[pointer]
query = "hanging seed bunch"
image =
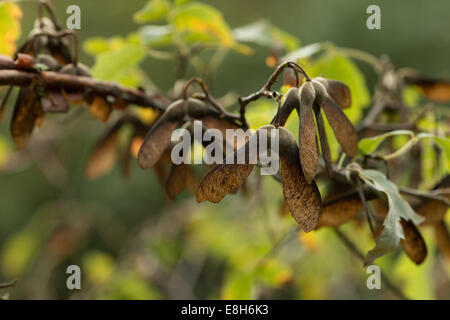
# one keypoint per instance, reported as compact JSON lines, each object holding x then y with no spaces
{"x":298,"y":162}
{"x":48,"y":48}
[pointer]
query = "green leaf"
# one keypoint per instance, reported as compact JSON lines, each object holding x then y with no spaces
{"x":303,"y":52}
{"x":238,"y":286}
{"x":398,"y":208}
{"x":10,"y":15}
{"x":265,"y":34}
{"x":199,"y":22}
{"x":153,"y":10}
{"x":155,"y":36}
{"x":369,"y":145}
{"x":111,"y":65}
{"x":339,"y":67}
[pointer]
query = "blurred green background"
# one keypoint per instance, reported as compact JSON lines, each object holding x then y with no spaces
{"x":131,"y":243}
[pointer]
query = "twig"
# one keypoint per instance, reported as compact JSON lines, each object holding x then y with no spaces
{"x":24,"y":78}
{"x":8,"y":284}
{"x":266,"y":90}
{"x":351,"y":246}
{"x":433,"y":195}
{"x":366,"y":206}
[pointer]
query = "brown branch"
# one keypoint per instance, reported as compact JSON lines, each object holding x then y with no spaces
{"x":8,"y":284}
{"x":22,"y":78}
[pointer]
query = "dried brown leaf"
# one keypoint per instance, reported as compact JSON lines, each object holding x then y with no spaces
{"x":303,"y":199}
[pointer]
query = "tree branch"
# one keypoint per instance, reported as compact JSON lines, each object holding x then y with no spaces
{"x":24,"y":78}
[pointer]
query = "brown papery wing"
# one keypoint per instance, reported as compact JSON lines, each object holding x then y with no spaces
{"x":158,"y":138}
{"x":338,"y":90}
{"x":303,"y":199}
{"x":326,"y":153}
{"x":307,"y":132}
{"x":413,"y":244}
{"x":226,"y":178}
{"x":342,"y":127}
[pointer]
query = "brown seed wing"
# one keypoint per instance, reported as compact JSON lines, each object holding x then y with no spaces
{"x":226,"y":178}
{"x":177,"y":180}
{"x":158,"y":138}
{"x":338,"y":212}
{"x":303,"y":199}
{"x":442,"y":238}
{"x":290,"y":103}
{"x":342,"y":127}
{"x":307,"y":131}
{"x":103,"y":157}
{"x":338,"y":90}
{"x":27,"y":113}
{"x":413,"y":244}
{"x":100,"y":109}
{"x":326,"y":153}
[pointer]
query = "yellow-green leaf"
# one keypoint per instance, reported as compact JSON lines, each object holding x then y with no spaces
{"x":153,"y":10}
{"x":10,"y":15}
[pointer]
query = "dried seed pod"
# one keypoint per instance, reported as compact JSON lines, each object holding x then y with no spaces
{"x":225,"y":178}
{"x":78,"y":70}
{"x":100,"y":109}
{"x":413,"y":244}
{"x":102,"y":159}
{"x":197,"y":108}
{"x":303,"y":199}
{"x":343,"y":129}
{"x":48,"y":61}
{"x":326,"y":153}
{"x":442,"y":238}
{"x":338,"y":90}
{"x":290,"y":103}
{"x":158,"y":138}
{"x":54,"y":101}
{"x":180,"y":177}
{"x":307,"y":132}
{"x":434,"y":89}
{"x":27,"y":114}
{"x":340,"y":211}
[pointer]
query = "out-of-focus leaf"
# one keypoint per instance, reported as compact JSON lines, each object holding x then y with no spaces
{"x":110,"y":65}
{"x":398,"y":208}
{"x":274,"y":273}
{"x":238,"y":286}
{"x":369,"y":145}
{"x":99,"y":267}
{"x":10,"y":15}
{"x":156,"y":35}
{"x":130,"y":287}
{"x":303,"y":52}
{"x":339,"y":67}
{"x":153,"y":10}
{"x":265,"y":34}
{"x":199,"y":22}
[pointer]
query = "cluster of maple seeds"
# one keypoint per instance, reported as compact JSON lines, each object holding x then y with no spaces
{"x":48,"y":49}
{"x":298,"y":162}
